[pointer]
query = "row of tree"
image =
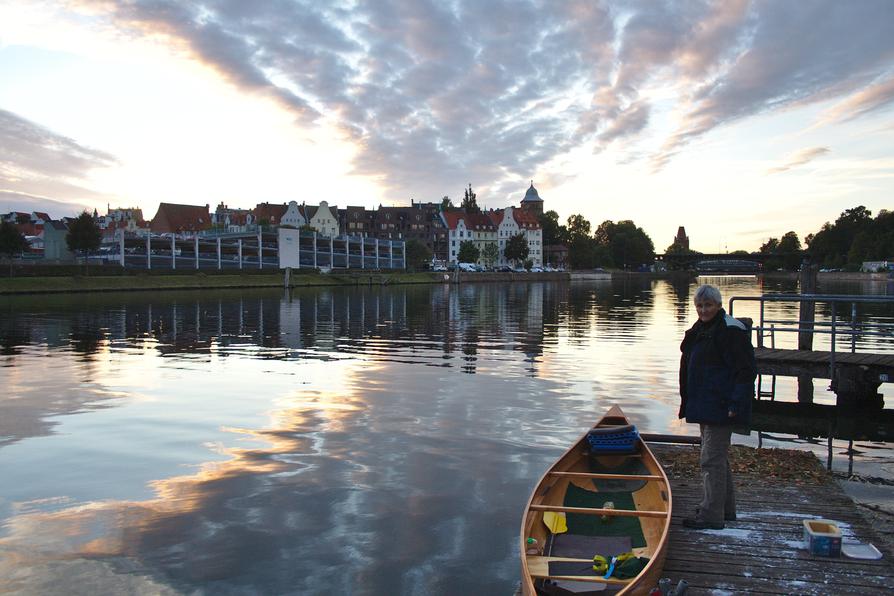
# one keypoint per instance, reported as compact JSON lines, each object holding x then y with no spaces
{"x":853,"y":238}
{"x":623,"y":245}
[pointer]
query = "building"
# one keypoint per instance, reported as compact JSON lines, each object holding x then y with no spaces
{"x":294,"y":216}
{"x":55,"y":247}
{"x":465,"y":227}
{"x":512,"y":221}
{"x":681,"y":240}
{"x":269,"y":214}
{"x":356,"y":221}
{"x":232,"y":220}
{"x":420,"y":222}
{"x":323,"y":219}
{"x":172,"y":218}
{"x":532,"y":201}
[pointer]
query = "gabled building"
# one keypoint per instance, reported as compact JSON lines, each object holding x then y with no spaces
{"x":294,"y":216}
{"x":323,"y":218}
{"x":463,"y":227}
{"x":512,"y":221}
{"x":172,"y":218}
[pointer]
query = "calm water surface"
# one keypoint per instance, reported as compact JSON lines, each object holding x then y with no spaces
{"x":338,"y":441}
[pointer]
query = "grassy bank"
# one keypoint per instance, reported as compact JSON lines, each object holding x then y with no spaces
{"x":199,"y":281}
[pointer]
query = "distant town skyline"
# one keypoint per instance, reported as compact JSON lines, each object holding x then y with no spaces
{"x":738,"y":120}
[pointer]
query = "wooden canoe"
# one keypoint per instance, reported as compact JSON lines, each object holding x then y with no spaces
{"x":650,"y":505}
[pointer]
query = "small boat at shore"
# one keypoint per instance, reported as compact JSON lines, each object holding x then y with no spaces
{"x":598,"y":520}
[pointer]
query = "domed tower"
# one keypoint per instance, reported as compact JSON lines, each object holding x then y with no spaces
{"x":532,"y":201}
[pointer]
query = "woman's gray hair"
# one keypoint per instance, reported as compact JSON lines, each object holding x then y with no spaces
{"x":708,"y":292}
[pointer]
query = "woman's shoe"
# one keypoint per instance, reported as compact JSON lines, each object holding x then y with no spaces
{"x":698,"y":523}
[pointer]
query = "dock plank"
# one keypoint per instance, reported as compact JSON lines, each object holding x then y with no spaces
{"x":760,"y":552}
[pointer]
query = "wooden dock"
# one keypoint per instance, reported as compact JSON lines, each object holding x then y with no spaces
{"x":816,"y":363}
{"x":761,"y":552}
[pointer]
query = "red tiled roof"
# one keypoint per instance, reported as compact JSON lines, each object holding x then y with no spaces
{"x":271,"y":212}
{"x":172,"y":217}
{"x":496,"y":216}
{"x":525,"y":219}
{"x":473,"y":221}
{"x":452,"y":217}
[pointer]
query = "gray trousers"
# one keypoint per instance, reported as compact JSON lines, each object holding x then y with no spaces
{"x":719,"y":497}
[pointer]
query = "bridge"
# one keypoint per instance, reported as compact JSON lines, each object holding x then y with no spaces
{"x":723,"y":262}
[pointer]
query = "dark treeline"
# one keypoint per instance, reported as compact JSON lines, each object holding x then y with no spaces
{"x":623,"y":244}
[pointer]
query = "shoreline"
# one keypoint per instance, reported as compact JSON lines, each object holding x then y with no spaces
{"x":118,"y":280}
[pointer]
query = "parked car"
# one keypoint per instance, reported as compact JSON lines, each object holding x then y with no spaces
{"x":469,"y":267}
{"x":505,"y":269}
{"x":439,"y":268}
{"x":536,"y":270}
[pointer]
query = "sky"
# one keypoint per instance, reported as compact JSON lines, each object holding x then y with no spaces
{"x":739,"y":120}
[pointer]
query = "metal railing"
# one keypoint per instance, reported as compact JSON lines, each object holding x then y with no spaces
{"x":836,"y":326}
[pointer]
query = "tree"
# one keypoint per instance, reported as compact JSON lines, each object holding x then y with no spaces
{"x":470,"y":204}
{"x":770,"y":247}
{"x":417,"y":254}
{"x":789,"y":250}
{"x":83,"y":235}
{"x":490,"y":254}
{"x":12,"y":242}
{"x":582,"y":252}
{"x":516,"y":248}
{"x":468,"y":252}
{"x":446,"y":203}
{"x":553,"y":232}
{"x":628,"y":244}
{"x":578,"y":228}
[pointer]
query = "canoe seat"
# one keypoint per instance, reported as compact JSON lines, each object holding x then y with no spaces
{"x":614,"y":440}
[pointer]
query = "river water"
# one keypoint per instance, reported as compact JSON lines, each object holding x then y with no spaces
{"x":361,"y":440}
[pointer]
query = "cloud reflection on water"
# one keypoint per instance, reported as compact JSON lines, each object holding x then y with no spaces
{"x":363,"y":440}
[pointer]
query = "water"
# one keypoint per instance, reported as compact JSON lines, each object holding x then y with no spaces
{"x":344,"y":440}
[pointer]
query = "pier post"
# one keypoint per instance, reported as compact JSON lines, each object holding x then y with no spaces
{"x":806,"y":316}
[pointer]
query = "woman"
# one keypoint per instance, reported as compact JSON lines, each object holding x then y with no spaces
{"x":717,"y":371}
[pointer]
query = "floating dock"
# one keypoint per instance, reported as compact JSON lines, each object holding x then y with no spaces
{"x":762,"y":551}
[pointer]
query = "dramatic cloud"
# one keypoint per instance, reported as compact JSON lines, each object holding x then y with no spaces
{"x":799,"y":159}
{"x":437,"y":94}
{"x":43,"y":169}
{"x":874,"y":97}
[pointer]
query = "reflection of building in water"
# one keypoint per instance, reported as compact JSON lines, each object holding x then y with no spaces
{"x":512,"y":312}
{"x":312,"y":322}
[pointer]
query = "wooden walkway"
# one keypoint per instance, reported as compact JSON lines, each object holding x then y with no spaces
{"x":761,"y":552}
{"x":816,"y":363}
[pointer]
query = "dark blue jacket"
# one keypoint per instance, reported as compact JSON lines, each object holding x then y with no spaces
{"x":717,"y":372}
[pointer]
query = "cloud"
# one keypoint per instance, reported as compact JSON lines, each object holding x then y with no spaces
{"x":436,"y":94}
{"x":795,"y":54}
{"x":45,"y":169}
{"x":20,"y":201}
{"x":872,"y":98}
{"x":799,"y":158}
